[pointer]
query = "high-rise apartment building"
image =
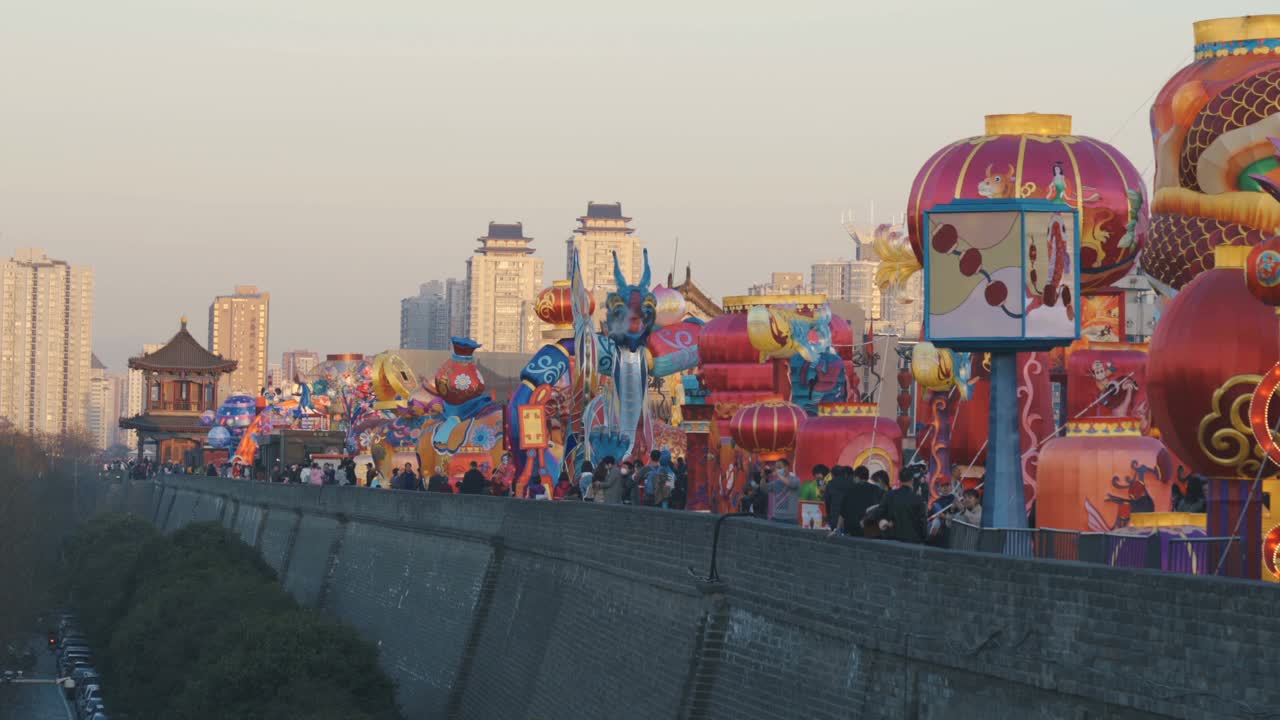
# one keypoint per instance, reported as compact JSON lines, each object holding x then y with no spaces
{"x":46,"y":340}
{"x":101,"y":414}
{"x":295,"y":364}
{"x":424,"y":318}
{"x":602,"y":232}
{"x":134,"y":394}
{"x":504,"y":279}
{"x":238,"y":326}
{"x":457,"y":294}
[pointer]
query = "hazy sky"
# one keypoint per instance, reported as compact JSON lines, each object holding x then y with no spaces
{"x":340,"y":153}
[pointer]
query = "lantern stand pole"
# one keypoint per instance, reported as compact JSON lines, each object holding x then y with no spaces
{"x":1003,"y":502}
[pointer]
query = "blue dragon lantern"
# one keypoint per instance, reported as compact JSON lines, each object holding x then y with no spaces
{"x":596,"y":382}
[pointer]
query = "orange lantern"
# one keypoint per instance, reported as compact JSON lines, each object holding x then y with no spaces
{"x":1104,"y":470}
{"x":768,"y":429}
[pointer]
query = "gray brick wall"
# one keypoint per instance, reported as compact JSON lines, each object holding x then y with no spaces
{"x":488,"y":608}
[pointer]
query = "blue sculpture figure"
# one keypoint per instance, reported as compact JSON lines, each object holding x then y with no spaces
{"x":610,"y":380}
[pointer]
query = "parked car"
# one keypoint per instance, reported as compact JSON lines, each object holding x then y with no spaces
{"x":72,"y":665}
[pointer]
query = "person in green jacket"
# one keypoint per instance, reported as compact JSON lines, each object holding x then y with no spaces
{"x":812,"y":490}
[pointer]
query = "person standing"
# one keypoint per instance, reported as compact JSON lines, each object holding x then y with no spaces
{"x":535,"y":490}
{"x":585,"y":484}
{"x":438,"y":482}
{"x":632,"y":489}
{"x":645,"y":479}
{"x":783,"y":487}
{"x":609,"y":488}
{"x":473,"y":482}
{"x":372,"y":478}
{"x":811,"y":491}
{"x":902,"y":516}
{"x":860,"y":497}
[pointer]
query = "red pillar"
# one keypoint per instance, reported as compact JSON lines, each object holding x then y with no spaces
{"x":697,"y":430}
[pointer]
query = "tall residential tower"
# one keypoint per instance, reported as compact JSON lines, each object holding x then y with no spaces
{"x":46,"y":340}
{"x":504,"y":279}
{"x":238,"y":326}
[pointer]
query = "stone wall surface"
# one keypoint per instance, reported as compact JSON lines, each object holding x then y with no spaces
{"x":495,"y":608}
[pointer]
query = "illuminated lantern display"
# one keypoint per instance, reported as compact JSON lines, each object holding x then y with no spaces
{"x":850,"y":434}
{"x":1209,"y":349}
{"x":1108,"y":383}
{"x":1100,"y":473}
{"x":1216,"y":171}
{"x":1000,"y":276}
{"x":768,"y":430}
{"x":1035,"y":156}
{"x":1207,"y":356}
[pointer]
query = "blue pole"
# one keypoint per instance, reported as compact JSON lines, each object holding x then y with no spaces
{"x":1003,"y":502}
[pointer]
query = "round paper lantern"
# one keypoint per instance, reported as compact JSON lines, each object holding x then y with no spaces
{"x":554,"y":305}
{"x":1035,"y":156}
{"x":219,"y":437}
{"x":1103,"y":471}
{"x":1262,"y":271}
{"x":850,"y":434}
{"x":670,"y":306}
{"x":1211,"y":125}
{"x":1206,"y":357}
{"x":767,"y":429}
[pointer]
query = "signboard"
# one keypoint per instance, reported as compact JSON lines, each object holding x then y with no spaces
{"x":1001,"y":275}
{"x":813,"y":515}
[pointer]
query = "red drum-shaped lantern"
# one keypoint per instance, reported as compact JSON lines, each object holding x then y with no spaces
{"x":1262,"y":271}
{"x":1105,"y":382}
{"x":1103,"y":471}
{"x":850,"y":434}
{"x":768,"y":429}
{"x":1205,"y":359}
{"x":555,"y":304}
{"x":1036,"y":156}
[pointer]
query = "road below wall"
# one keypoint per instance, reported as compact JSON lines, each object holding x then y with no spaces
{"x":35,"y":701}
{"x":500,"y":608}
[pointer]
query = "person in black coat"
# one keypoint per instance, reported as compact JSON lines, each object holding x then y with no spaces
{"x":473,"y":482}
{"x":902,"y":515}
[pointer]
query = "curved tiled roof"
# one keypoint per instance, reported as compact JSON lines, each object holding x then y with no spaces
{"x":182,"y":352}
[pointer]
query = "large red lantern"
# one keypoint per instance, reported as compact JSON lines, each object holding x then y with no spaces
{"x":767,"y":429}
{"x":554,"y":305}
{"x":1035,"y":156}
{"x":1207,"y":356}
{"x":850,"y":434}
{"x":1104,"y":470}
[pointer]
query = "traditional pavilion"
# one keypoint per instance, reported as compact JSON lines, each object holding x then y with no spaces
{"x":180,"y":382}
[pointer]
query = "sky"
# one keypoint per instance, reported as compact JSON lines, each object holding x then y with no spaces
{"x":337,"y":154}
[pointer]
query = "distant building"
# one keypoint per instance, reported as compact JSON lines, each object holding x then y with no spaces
{"x":181,"y":380}
{"x":1139,"y":307}
{"x":781,"y":283}
{"x":134,"y":392}
{"x":296,"y":364}
{"x":603,"y":231}
{"x":275,"y":376}
{"x":101,"y":415}
{"x":457,"y":294}
{"x":425,"y":318}
{"x":46,"y":340}
{"x":238,"y":325}
{"x":504,"y":278}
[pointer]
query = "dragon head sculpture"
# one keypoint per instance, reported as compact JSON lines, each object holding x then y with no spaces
{"x":632,"y":309}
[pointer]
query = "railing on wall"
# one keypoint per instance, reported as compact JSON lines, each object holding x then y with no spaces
{"x":1192,"y":556}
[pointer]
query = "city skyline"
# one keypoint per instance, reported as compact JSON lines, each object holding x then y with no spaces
{"x":302,"y":194}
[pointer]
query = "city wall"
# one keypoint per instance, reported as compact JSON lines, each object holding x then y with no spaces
{"x":493,"y":608}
